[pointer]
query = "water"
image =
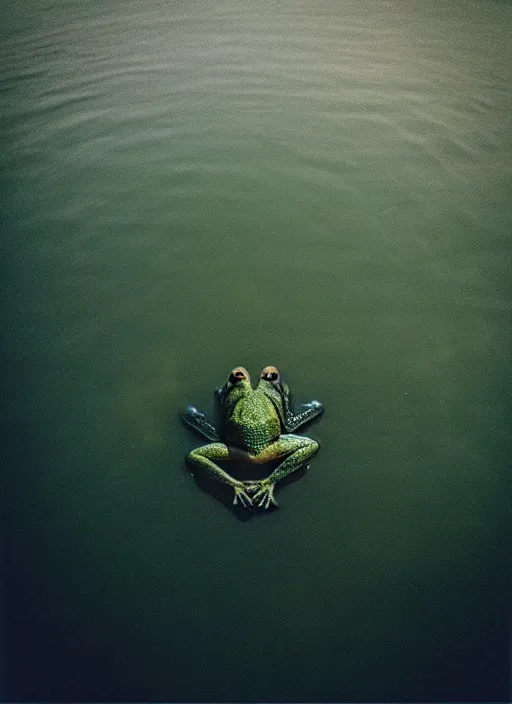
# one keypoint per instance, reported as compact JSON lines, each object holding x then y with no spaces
{"x":321,"y":186}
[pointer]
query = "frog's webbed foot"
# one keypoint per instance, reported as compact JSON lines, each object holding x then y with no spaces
{"x":242,"y":496}
{"x":264,"y":495}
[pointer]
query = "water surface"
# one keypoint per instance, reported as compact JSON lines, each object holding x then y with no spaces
{"x":317,"y":185}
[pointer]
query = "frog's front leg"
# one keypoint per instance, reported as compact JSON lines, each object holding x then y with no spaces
{"x":305,"y":413}
{"x":204,"y":458}
{"x":198,"y":421}
{"x":300,"y":451}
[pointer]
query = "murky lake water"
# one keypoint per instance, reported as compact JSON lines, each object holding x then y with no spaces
{"x":323,"y":186}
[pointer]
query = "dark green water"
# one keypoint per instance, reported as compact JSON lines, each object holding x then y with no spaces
{"x":323,"y":186}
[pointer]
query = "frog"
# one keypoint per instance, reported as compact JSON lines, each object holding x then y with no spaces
{"x":257,"y":426}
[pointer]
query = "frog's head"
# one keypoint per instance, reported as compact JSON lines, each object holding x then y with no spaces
{"x":237,"y":384}
{"x":272,"y":385}
{"x":271,"y":375}
{"x":238,"y":377}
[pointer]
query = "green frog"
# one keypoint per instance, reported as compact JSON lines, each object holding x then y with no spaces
{"x":257,"y":427}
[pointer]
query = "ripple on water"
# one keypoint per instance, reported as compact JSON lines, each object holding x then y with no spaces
{"x":397,"y":99}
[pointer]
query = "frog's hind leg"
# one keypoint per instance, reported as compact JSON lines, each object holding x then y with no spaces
{"x":299,"y":451}
{"x":199,"y":422}
{"x":205,"y":458}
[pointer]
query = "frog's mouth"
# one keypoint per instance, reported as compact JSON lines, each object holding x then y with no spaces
{"x":238,"y":374}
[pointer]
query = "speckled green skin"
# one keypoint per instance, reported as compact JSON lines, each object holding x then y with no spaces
{"x":253,"y":421}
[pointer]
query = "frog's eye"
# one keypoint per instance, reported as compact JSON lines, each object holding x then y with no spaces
{"x":238,"y":374}
{"x":271,"y":374}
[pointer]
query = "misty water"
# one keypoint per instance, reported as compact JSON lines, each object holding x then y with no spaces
{"x":323,"y":186}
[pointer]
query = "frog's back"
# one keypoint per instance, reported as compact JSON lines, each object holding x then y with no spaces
{"x":253,"y":424}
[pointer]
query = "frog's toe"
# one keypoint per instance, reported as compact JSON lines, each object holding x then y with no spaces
{"x":242,"y":497}
{"x":264,"y":497}
{"x":191,"y":411}
{"x":314,"y":404}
